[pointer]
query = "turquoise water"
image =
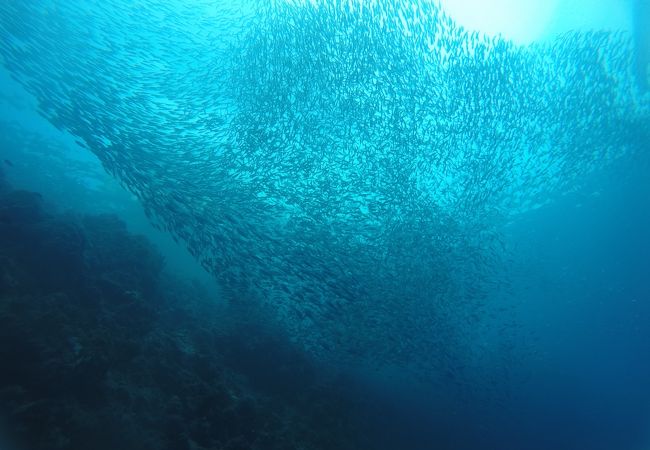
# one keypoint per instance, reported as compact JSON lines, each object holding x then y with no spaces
{"x":408,"y":235}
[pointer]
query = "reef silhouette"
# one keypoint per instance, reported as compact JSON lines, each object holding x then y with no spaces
{"x":102,"y":348}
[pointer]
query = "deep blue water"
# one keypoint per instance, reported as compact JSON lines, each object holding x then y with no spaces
{"x":294,"y":226}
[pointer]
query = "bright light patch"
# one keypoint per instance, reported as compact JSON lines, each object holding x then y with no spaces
{"x":525,"y":21}
{"x":522,"y":21}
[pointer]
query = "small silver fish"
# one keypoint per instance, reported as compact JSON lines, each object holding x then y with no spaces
{"x":642,"y":43}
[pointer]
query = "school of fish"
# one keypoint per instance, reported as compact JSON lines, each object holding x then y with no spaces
{"x":342,"y":165}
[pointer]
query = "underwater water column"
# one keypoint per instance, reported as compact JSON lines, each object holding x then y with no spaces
{"x":363,"y":176}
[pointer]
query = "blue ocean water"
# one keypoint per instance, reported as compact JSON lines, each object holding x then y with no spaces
{"x":319,"y":225}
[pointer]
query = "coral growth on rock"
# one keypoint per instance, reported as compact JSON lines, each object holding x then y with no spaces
{"x":101,"y":348}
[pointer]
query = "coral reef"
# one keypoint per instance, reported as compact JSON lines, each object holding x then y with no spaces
{"x":103,"y":349}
